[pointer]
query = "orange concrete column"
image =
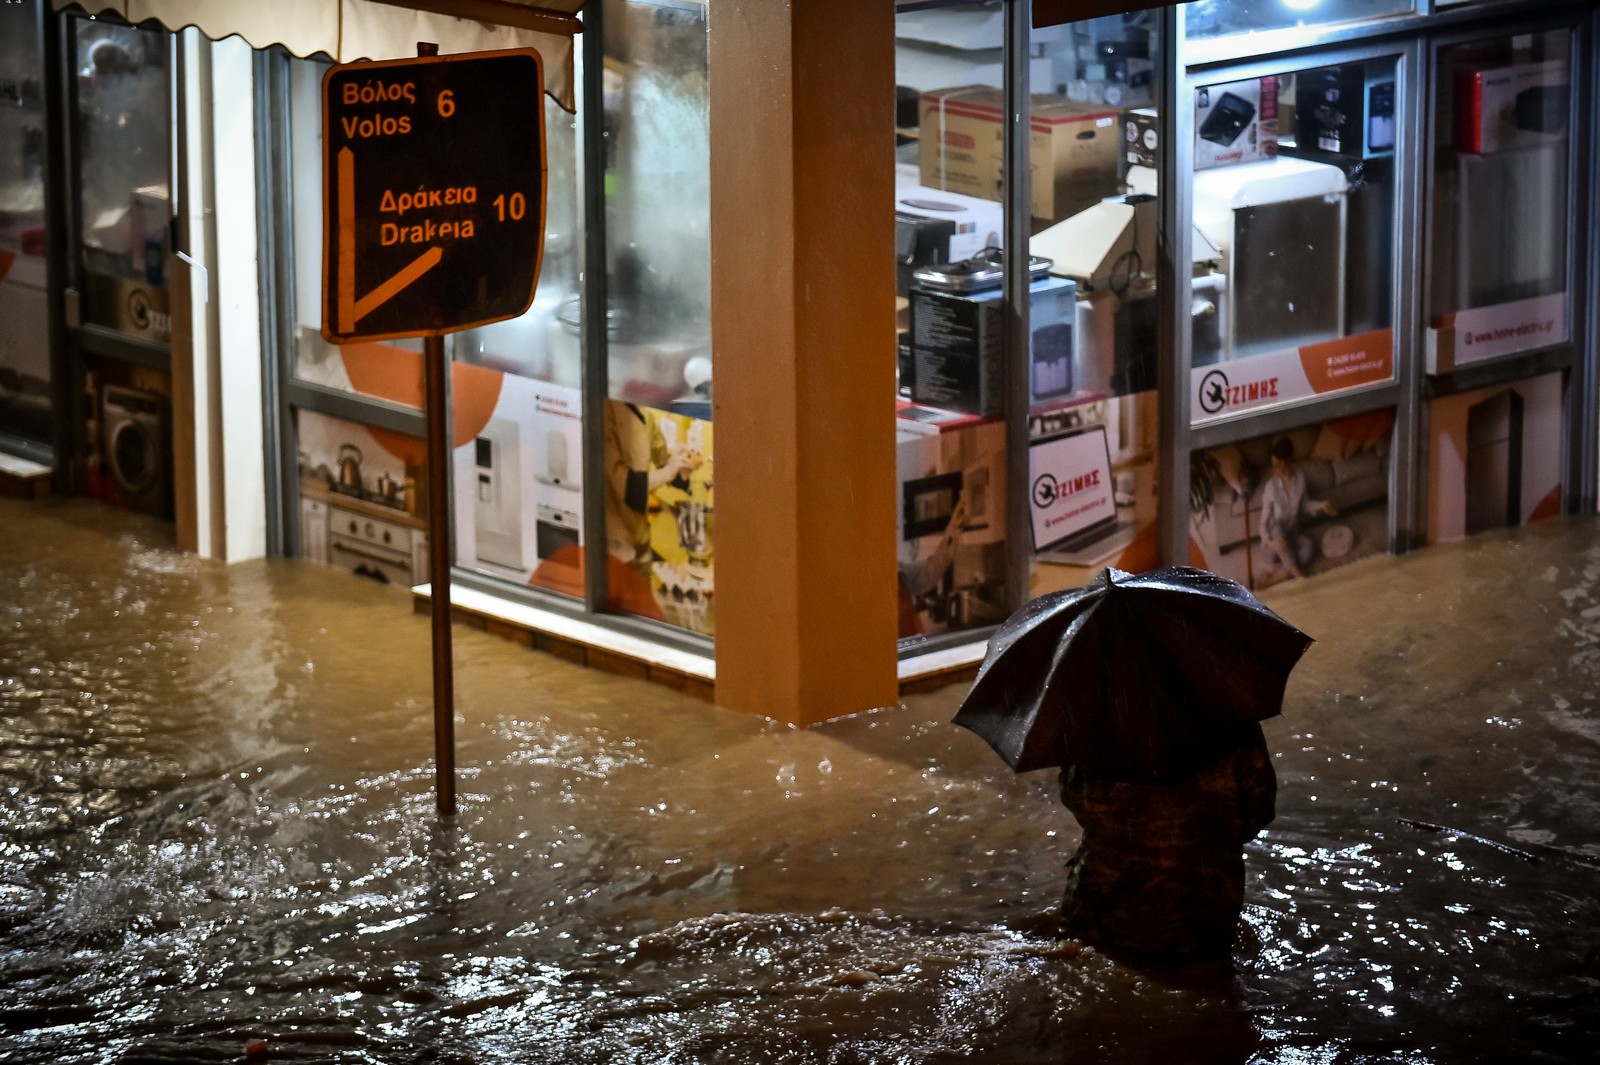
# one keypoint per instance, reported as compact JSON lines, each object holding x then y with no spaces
{"x":802,"y":282}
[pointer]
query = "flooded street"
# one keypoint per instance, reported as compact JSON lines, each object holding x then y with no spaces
{"x":217,"y":824}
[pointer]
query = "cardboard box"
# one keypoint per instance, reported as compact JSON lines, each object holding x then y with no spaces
{"x":958,"y":346}
{"x":1520,"y":106}
{"x":1073,"y":151}
{"x":1342,"y":114}
{"x":1235,"y":122}
{"x":1140,"y":132}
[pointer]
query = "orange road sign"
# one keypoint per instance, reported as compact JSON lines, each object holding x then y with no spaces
{"x":434,"y":179}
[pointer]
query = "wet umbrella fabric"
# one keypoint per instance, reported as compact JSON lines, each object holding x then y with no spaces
{"x":1134,"y":677}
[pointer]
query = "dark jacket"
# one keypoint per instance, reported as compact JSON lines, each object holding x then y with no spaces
{"x":1160,"y":870}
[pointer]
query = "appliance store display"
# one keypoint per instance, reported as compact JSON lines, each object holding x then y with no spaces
{"x":374,"y":547}
{"x":1344,"y":112}
{"x":1522,"y":105}
{"x":498,"y":510}
{"x":1276,"y":229}
{"x":957,"y":340}
{"x":138,"y":448}
{"x":933,"y":226}
{"x":1075,"y":150}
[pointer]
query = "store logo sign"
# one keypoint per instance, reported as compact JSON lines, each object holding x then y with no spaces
{"x":1217,"y":393}
{"x":1047,"y":490}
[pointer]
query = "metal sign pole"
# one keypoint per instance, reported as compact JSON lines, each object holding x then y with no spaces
{"x":436,"y":398}
{"x":433,"y":162}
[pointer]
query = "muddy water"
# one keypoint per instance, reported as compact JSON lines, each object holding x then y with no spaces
{"x":216,"y":825}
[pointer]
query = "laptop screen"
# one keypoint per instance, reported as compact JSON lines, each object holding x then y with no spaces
{"x":1070,"y":489}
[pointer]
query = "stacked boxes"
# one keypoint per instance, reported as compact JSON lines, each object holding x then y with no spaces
{"x":958,"y":346}
{"x":1074,"y":151}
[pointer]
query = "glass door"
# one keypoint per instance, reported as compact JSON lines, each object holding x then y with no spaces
{"x":25,"y":375}
{"x":119,"y":320}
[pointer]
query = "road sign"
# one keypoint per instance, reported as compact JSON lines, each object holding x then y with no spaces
{"x":433,"y":183}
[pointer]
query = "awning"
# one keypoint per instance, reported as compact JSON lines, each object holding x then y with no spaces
{"x":348,"y":30}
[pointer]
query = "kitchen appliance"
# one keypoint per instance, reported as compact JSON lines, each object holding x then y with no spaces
{"x":956,"y":335}
{"x":553,"y":529}
{"x":137,"y":441}
{"x":1494,"y":463}
{"x":349,"y":464}
{"x":557,"y":468}
{"x":933,"y":226}
{"x":498,"y":493}
{"x":371,"y":547}
{"x":1277,"y":230}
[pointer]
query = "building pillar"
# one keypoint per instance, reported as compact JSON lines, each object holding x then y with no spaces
{"x":803,"y":328}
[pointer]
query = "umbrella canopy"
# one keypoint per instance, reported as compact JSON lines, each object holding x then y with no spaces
{"x":1134,"y":677}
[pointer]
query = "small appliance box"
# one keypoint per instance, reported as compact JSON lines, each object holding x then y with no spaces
{"x":1341,"y":114}
{"x":1075,"y":151}
{"x":974,"y":223}
{"x":1139,"y":137}
{"x":958,"y":346}
{"x":1235,"y":122}
{"x":1520,"y":106}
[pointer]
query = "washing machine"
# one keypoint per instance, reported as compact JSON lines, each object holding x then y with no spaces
{"x":137,"y":442}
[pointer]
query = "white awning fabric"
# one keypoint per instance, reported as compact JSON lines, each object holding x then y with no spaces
{"x":350,"y":30}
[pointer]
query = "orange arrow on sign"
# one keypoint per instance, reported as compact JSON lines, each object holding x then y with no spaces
{"x":352,"y":310}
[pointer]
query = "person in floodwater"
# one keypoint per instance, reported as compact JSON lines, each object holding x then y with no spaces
{"x":1160,"y":869}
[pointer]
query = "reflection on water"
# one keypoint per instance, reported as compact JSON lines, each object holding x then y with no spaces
{"x":216,"y":818}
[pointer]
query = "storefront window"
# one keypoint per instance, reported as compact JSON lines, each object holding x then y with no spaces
{"x":122,"y":126}
{"x":24,"y":332}
{"x":658,"y":457}
{"x":950,"y":504}
{"x":1502,"y":208}
{"x":1221,"y":18}
{"x":1294,"y":200}
{"x":1094,"y":421}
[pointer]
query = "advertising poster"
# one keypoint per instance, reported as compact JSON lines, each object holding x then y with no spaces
{"x":518,"y":485}
{"x":659,"y":515}
{"x":1494,"y":458}
{"x":1092,"y":490}
{"x":950,"y":525}
{"x":1291,"y":374}
{"x":1294,"y":504}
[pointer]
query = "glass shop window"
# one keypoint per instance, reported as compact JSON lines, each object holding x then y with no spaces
{"x":122,"y":87}
{"x":25,"y":407}
{"x":658,"y":434}
{"x":952,"y":542}
{"x":1223,"y":18}
{"x":1094,"y":416}
{"x":1294,"y":199}
{"x":1502,"y":208}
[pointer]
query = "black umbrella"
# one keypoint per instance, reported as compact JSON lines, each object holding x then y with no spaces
{"x":1134,"y":677}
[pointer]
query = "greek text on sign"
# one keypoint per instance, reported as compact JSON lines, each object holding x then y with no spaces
{"x":434,"y":193}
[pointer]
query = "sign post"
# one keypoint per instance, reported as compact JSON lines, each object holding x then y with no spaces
{"x":433,"y":206}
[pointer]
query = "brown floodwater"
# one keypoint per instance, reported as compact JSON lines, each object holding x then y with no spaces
{"x":217,"y":824}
